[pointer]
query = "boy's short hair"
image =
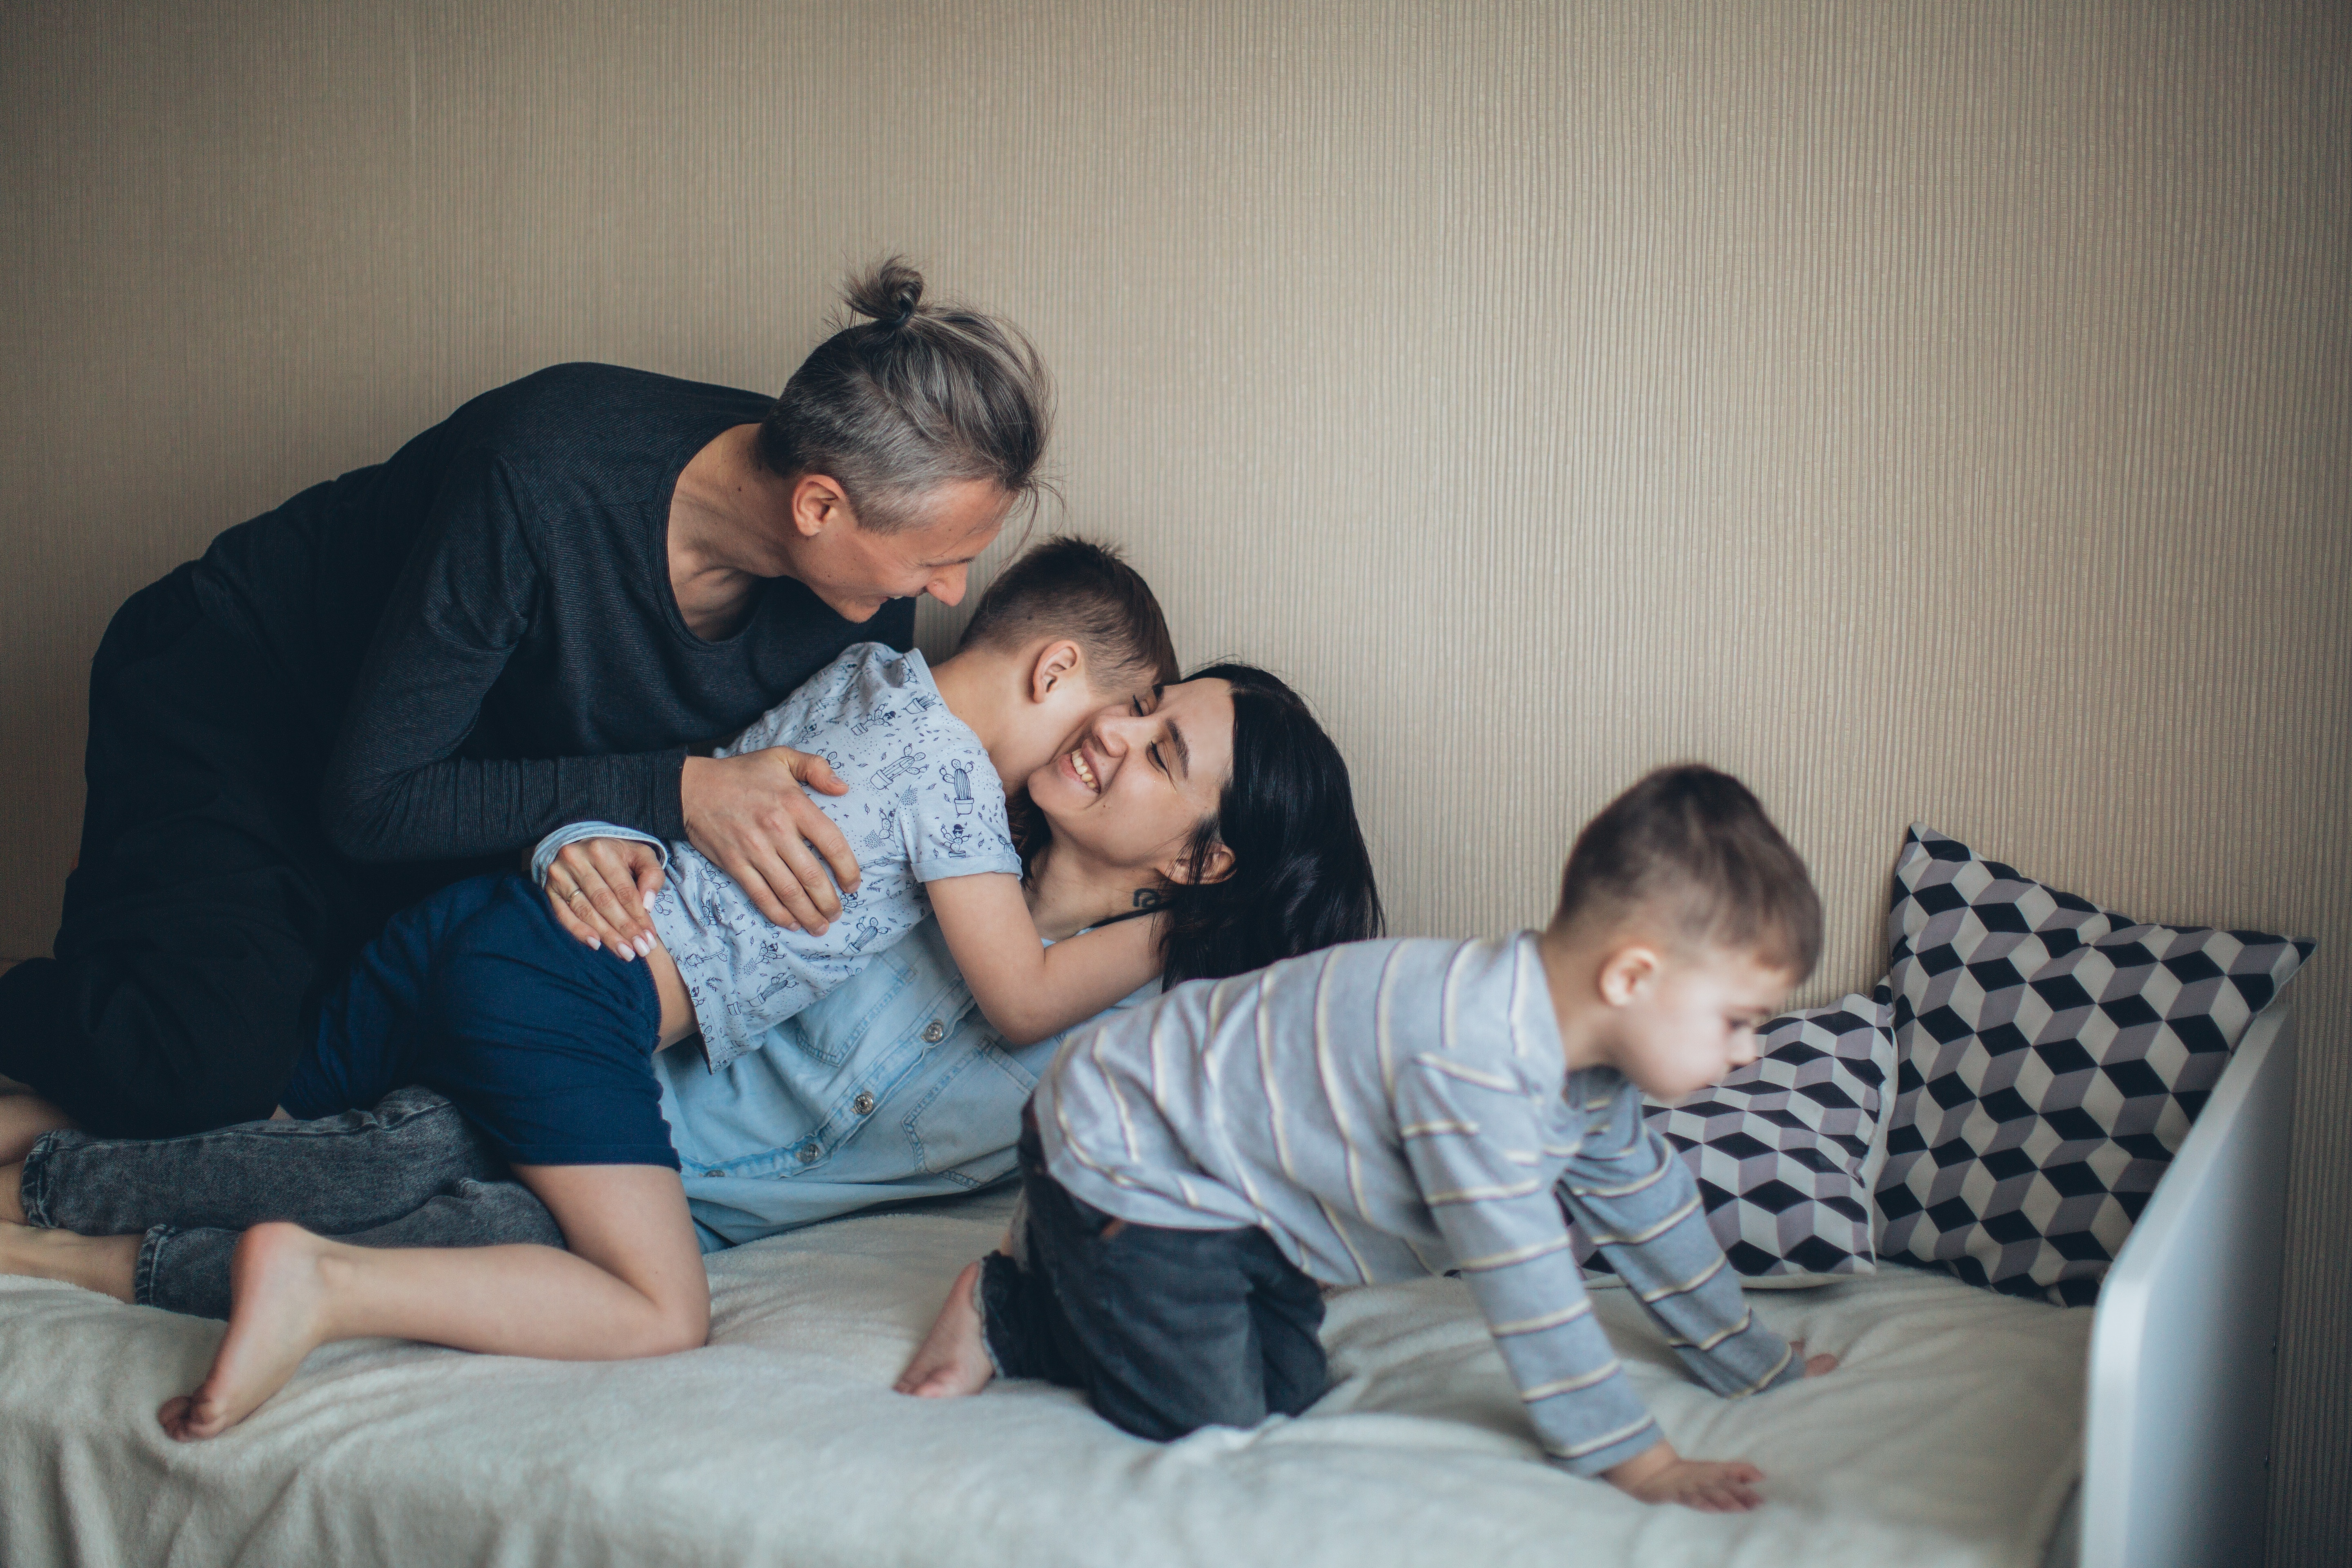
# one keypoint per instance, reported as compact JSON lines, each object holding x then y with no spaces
{"x":1692,"y":848}
{"x":1077,"y":589}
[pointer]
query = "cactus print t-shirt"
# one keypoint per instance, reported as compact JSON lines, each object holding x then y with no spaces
{"x":924,"y":803}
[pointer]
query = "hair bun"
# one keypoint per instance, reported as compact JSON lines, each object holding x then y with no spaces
{"x":890,"y":291}
{"x":904,"y":396}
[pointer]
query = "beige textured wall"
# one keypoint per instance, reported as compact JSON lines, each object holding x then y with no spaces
{"x":1927,"y":412}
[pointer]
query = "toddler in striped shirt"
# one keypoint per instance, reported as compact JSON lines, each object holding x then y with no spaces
{"x":1195,"y":1169}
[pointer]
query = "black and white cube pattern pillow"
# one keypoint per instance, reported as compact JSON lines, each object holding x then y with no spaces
{"x":2053,"y":1056}
{"x":1786,"y":1148}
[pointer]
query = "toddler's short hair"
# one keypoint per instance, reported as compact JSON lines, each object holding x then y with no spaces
{"x":1077,"y":589}
{"x":1691,"y":847}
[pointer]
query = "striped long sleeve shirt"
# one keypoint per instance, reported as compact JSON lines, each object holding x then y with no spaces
{"x":1389,"y":1110}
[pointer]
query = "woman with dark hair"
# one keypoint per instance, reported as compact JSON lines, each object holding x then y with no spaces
{"x":1221,"y":802}
{"x":895,"y":1088}
{"x":534,"y":612}
{"x":1298,"y":876}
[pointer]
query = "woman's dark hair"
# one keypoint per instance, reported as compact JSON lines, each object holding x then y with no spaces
{"x":912,"y":397}
{"x":1301,"y":877}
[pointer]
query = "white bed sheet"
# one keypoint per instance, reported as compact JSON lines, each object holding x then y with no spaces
{"x":1951,"y":1436}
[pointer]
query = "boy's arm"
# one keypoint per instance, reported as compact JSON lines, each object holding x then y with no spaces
{"x":1026,"y":989}
{"x":1477,"y":1152}
{"x":1637,"y":1201}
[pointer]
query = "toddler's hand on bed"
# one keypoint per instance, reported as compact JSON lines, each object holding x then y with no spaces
{"x":598,"y":888}
{"x":1658,"y":1474}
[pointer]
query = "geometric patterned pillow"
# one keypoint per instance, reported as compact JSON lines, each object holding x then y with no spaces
{"x":2053,"y":1056}
{"x":1786,"y":1148}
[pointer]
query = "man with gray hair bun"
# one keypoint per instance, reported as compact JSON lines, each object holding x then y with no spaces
{"x":539,"y":611}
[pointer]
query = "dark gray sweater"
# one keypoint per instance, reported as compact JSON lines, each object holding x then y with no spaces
{"x":484,"y":626}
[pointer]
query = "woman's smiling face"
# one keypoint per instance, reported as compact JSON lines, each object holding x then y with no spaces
{"x":1142,"y":777}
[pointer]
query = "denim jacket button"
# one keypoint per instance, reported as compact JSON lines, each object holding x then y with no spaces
{"x":864,"y":1103}
{"x":934,"y":1032}
{"x":714,"y":1175}
{"x":808,"y":1154}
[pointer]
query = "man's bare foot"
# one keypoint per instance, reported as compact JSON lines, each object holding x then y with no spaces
{"x":105,"y":1264}
{"x":23,"y":1117}
{"x":278,"y":1314}
{"x":951,"y":1361}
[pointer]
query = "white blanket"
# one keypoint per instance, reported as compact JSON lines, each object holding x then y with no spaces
{"x":1950,"y":1436}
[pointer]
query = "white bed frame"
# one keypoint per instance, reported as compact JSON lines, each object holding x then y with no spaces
{"x":2176,"y":1464}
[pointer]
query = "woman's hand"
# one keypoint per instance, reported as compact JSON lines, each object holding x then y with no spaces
{"x":752,"y":817}
{"x":598,"y":888}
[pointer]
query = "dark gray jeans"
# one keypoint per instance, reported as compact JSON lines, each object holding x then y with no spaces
{"x":409,"y":1173}
{"x":1166,"y":1330}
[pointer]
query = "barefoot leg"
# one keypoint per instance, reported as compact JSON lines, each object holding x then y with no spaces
{"x":105,"y":1264}
{"x":951,"y":1361}
{"x":279,"y":1313}
{"x":632,"y":1285}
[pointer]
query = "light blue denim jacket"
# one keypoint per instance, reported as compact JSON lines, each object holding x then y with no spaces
{"x":891,"y":1087}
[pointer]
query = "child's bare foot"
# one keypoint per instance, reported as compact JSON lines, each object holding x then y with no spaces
{"x":106,"y":1263}
{"x":278,"y":1315}
{"x":952,"y":1359}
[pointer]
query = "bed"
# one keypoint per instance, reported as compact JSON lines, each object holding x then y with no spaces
{"x":1954,"y":1434}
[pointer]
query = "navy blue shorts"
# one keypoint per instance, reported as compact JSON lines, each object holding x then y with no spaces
{"x":544,"y":1043}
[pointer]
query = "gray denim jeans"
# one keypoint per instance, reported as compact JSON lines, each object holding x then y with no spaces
{"x":409,"y":1173}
